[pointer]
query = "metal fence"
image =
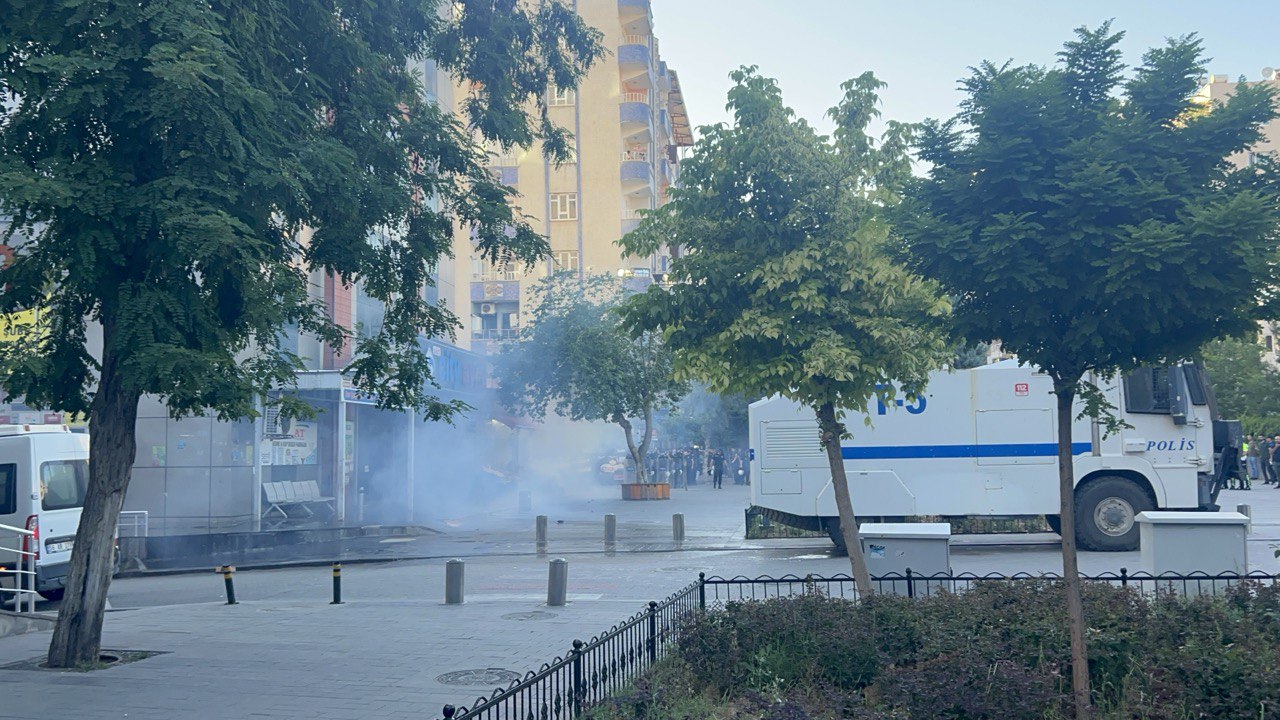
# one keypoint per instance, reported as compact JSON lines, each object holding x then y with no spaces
{"x":593,"y":671}
{"x":718,"y":590}
{"x":22,"y":566}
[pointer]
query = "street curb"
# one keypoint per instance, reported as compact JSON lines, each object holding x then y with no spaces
{"x":318,"y":562}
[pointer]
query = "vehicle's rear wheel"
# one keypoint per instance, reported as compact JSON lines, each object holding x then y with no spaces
{"x":832,"y":526}
{"x":1106,"y":514}
{"x":53,"y":594}
{"x":1054,"y":522}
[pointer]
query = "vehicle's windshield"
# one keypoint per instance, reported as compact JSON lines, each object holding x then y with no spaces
{"x":63,"y":483}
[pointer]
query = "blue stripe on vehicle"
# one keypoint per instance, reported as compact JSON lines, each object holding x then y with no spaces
{"x":895,"y":452}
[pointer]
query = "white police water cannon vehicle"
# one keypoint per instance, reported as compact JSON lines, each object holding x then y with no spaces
{"x":983,"y":443}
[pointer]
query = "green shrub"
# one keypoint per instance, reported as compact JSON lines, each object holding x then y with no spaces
{"x":996,"y":650}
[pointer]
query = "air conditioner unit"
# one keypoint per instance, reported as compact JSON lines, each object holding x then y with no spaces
{"x":488,"y":309}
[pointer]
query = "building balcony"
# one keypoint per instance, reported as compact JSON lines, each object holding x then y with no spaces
{"x":630,"y":220}
{"x":635,"y":61}
{"x":509,"y":176}
{"x":637,"y":121}
{"x":503,"y":159}
{"x":637,"y":177}
{"x":636,"y":96}
{"x":495,"y":334}
{"x":631,"y":11}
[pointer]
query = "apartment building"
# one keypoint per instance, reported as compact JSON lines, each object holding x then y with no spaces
{"x":629,"y":123}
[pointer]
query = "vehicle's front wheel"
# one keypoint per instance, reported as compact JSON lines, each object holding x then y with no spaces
{"x":1106,"y":514}
{"x":53,"y":594}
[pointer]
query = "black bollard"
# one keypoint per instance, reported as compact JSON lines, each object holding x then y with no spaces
{"x":226,"y":571}
{"x":337,"y":584}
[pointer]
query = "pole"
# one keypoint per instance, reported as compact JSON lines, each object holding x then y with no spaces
{"x":610,"y":531}
{"x":259,"y":429}
{"x":677,"y":528}
{"x":410,"y":461}
{"x":337,"y":584}
{"x":558,"y":582}
{"x":454,"y":574}
{"x":540,"y":534}
{"x":653,"y":632}
{"x":230,"y":584}
{"x":340,"y":489}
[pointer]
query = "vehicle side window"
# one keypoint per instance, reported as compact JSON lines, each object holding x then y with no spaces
{"x":8,"y":489}
{"x":1195,"y":385}
{"x":1146,"y":390}
{"x":62,"y":484}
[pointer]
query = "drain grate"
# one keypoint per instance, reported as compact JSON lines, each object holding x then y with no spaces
{"x":106,"y":659}
{"x":486,"y":677}
{"x":534,"y":615}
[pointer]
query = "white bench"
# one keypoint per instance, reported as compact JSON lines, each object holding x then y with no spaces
{"x":297,"y":495}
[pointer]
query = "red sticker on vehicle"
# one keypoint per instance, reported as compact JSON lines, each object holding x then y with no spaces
{"x":1022,"y":389}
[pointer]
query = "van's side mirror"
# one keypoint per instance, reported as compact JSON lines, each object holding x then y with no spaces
{"x":1178,"y":397}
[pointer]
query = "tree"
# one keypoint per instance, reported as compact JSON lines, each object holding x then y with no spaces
{"x":788,"y":286}
{"x":1092,"y":224}
{"x":160,"y":162}
{"x":1246,"y":386}
{"x":576,"y":360}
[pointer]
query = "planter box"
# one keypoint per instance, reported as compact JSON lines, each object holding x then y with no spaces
{"x":646,"y":491}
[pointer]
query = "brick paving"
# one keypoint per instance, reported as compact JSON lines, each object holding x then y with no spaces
{"x":285,"y":653}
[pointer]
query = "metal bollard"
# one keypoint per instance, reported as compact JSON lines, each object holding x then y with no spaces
{"x":610,"y":530}
{"x":337,"y":584}
{"x":677,"y":528}
{"x":557,"y":582}
{"x":453,"y":581}
{"x":540,"y":534}
{"x":226,"y":571}
{"x":1246,"y":511}
{"x":525,"y":502}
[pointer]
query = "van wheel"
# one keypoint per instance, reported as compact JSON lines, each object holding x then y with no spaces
{"x":53,"y":594}
{"x":1054,"y":522}
{"x":1106,"y":514}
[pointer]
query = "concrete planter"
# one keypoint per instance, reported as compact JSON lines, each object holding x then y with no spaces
{"x":646,"y":491}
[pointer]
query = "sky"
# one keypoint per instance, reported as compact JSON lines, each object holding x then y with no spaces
{"x":921,"y":48}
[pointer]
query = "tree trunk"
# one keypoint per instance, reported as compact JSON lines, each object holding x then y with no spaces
{"x":642,"y":474}
{"x":112,"y":443}
{"x":831,"y":430}
{"x":1065,"y":389}
{"x":642,"y":453}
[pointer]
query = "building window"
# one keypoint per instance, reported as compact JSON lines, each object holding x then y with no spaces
{"x":566,"y":261}
{"x":559,"y":97}
{"x":564,"y":206}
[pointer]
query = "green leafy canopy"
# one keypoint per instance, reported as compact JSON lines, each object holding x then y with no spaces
{"x":175,"y":170}
{"x":1091,"y":222}
{"x":789,"y":285}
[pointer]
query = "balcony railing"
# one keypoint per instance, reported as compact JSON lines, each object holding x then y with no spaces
{"x":636,"y":40}
{"x":640,"y":155}
{"x":495,"y":334}
{"x":629,"y":214}
{"x":496,"y":274}
{"x":636,"y":96}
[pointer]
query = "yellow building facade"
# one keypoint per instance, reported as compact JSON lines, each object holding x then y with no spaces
{"x":629,"y":124}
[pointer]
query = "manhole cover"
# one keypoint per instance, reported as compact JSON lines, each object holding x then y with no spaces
{"x":534,"y":615}
{"x":486,"y":677}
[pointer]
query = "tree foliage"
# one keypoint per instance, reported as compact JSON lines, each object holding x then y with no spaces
{"x":1092,"y":223}
{"x":1246,"y":386}
{"x":576,"y":360}
{"x":788,"y":286}
{"x":175,"y":170}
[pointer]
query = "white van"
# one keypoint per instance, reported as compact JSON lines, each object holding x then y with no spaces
{"x":44,"y":474}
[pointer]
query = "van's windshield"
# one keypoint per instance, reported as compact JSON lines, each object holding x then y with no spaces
{"x":63,"y":484}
